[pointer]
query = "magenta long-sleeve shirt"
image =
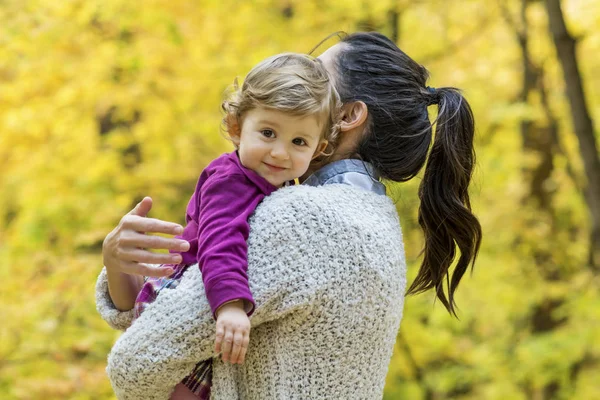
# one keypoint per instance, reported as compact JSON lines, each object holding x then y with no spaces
{"x":217,"y":227}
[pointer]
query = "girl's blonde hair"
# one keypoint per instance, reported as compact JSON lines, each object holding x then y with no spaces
{"x":292,"y":83}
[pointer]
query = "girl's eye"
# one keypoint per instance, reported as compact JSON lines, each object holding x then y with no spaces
{"x":299,"y":142}
{"x":268,"y":133}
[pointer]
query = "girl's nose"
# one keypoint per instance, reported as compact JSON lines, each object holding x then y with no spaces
{"x":280,"y":152}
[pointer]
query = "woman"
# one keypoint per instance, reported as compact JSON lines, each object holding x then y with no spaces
{"x":326,"y":262}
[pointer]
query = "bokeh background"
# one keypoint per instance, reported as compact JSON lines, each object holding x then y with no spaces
{"x":104,"y":102}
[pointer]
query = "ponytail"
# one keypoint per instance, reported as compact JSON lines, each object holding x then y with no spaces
{"x":397,"y":140}
{"x":445,"y":210}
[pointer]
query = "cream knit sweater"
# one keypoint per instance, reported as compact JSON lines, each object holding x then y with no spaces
{"x":327,"y":271}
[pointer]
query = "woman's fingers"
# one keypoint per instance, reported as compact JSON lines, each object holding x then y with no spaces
{"x":142,"y":208}
{"x":154,"y":271}
{"x":151,"y":225}
{"x":136,"y":220}
{"x":133,"y":268}
{"x":130,"y":247}
{"x":139,"y":240}
{"x":158,"y":242}
{"x":124,"y":249}
{"x":148,"y":257}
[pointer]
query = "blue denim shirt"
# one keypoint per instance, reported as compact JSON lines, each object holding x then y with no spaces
{"x":349,"y":172}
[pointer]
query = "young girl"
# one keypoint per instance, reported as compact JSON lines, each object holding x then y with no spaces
{"x":283,"y":117}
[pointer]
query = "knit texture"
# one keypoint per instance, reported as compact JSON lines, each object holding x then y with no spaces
{"x":120,"y":320}
{"x":328,"y":274}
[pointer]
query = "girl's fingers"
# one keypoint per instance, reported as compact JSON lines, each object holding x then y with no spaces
{"x":219,"y":338}
{"x":242,"y":356}
{"x":238,"y":339}
{"x":245,"y":346}
{"x":227,"y":343}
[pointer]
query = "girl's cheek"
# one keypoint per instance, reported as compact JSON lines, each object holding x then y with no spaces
{"x":307,"y":159}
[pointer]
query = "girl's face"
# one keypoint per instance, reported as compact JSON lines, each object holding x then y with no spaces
{"x":278,"y":146}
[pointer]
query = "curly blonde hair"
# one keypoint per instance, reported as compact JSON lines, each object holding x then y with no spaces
{"x":292,"y":83}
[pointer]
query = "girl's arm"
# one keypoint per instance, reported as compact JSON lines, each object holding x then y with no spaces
{"x":227,"y":201}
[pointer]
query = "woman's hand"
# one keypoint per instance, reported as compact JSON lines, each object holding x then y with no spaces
{"x":127,"y":258}
{"x":125,"y":249}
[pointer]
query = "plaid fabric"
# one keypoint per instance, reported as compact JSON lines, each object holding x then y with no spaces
{"x":200,"y":380}
{"x":153,"y":286}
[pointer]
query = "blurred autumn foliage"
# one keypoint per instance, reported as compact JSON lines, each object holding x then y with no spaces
{"x":103,"y":102}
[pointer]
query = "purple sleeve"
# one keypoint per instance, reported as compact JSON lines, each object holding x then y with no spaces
{"x":226,"y":203}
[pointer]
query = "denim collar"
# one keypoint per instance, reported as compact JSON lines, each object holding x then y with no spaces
{"x":350,"y":172}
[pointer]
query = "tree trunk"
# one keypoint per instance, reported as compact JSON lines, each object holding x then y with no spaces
{"x":565,"y":48}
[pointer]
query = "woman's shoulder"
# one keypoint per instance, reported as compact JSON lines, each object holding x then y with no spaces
{"x":323,"y":205}
{"x":339,"y":194}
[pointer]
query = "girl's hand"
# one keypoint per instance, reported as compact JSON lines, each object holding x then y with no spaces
{"x":233,"y":332}
{"x":125,"y":248}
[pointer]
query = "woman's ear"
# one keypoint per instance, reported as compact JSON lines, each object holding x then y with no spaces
{"x":320,"y":149}
{"x":353,"y":115}
{"x":233,"y":128}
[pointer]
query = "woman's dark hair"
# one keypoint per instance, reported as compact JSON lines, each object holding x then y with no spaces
{"x":372,"y":69}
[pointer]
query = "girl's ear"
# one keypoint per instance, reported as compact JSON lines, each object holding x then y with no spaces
{"x":353,"y":115}
{"x":320,"y":149}
{"x":233,"y":128}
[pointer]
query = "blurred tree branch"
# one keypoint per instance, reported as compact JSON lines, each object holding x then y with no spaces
{"x":584,"y":129}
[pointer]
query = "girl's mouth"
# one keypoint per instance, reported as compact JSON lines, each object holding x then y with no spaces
{"x":274,"y":168}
